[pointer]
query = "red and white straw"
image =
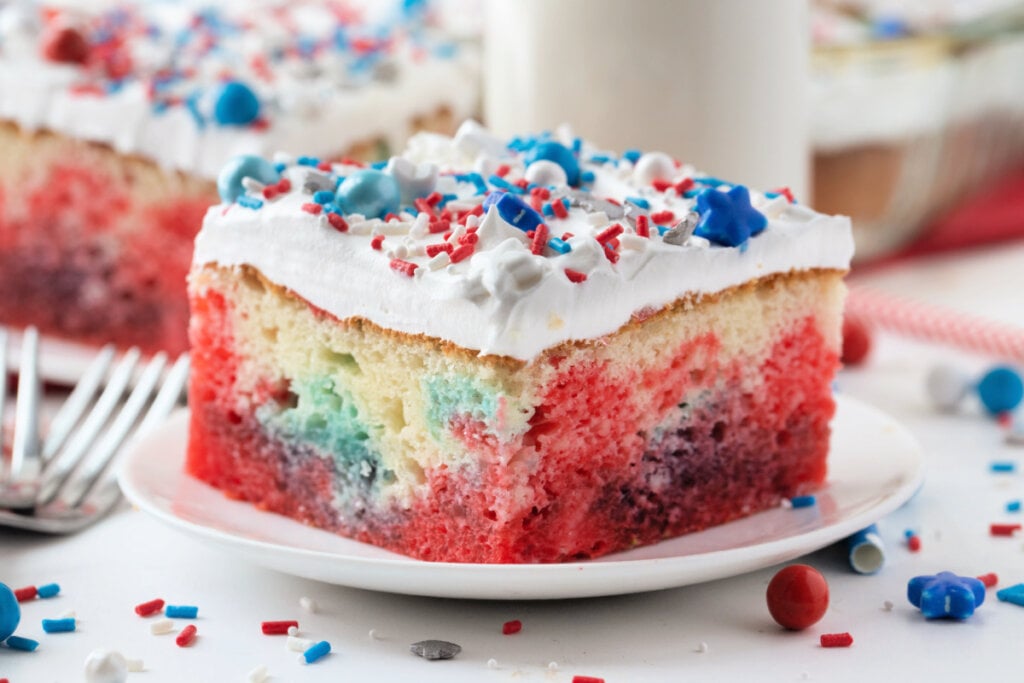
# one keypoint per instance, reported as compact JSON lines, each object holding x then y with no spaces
{"x":935,"y":323}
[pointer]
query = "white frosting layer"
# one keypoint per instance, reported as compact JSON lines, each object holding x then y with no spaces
{"x":320,"y":105}
{"x":504,"y":300}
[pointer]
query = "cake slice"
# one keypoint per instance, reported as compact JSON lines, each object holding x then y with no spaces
{"x":530,"y":351}
{"x":115,"y":121}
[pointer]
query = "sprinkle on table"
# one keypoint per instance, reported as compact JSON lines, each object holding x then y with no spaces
{"x":1014,"y":594}
{"x":59,"y":625}
{"x":1004,"y":529}
{"x":181,"y":611}
{"x":48,"y":590}
{"x":990,"y":579}
{"x":836,"y":640}
{"x":510,"y":627}
{"x":26,"y":593}
{"x":149,"y":608}
{"x":187,"y":636}
{"x":277,"y":628}
{"x":946,"y":595}
{"x":802,"y":501}
{"x":435,"y":649}
{"x":315,"y":653}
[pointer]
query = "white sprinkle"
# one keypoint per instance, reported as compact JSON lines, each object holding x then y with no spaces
{"x":472,"y":222}
{"x":135,"y":665}
{"x":421,"y":226}
{"x":162,"y":626}
{"x":887,"y":605}
{"x":407,"y":217}
{"x":373,"y":634}
{"x":361,"y":227}
{"x":258,"y":675}
{"x":392,"y":228}
{"x":396,"y":251}
{"x":492,"y":663}
{"x":633,"y":242}
{"x":439,"y":261}
{"x":307,"y":604}
{"x":252,"y":185}
{"x":293,"y":630}
{"x":297,"y":644}
{"x":458,"y":231}
{"x":699,"y":242}
{"x":70,"y":614}
{"x":552,"y":666}
{"x":598,"y":218}
{"x":702,"y":648}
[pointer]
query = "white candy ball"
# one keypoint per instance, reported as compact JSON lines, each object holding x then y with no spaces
{"x":105,"y":666}
{"x":653,"y":166}
{"x":947,"y":386}
{"x":544,"y":172}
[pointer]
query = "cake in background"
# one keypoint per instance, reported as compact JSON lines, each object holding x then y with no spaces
{"x":115,"y":120}
{"x":916,"y":106}
{"x":511,"y":351}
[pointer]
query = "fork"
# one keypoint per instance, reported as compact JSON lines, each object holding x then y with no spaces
{"x":57,"y":485}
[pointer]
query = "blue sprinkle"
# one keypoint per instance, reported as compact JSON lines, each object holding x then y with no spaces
{"x":229,"y":180}
{"x":1013,"y":506}
{"x":250,"y":202}
{"x":280,"y":166}
{"x":547,"y":210}
{"x":587,"y":177}
{"x":307,"y":161}
{"x":316,"y":652}
{"x":559,"y":245}
{"x":181,"y":611}
{"x":323,"y":197}
{"x":802,"y":501}
{"x":501,"y":183}
{"x":946,"y":595}
{"x":23,"y":644}
{"x":909,"y":533}
{"x":1003,"y":466}
{"x":1001,"y":389}
{"x":445,"y":198}
{"x":633,"y":155}
{"x":662,"y":229}
{"x":561,"y":155}
{"x":710,"y":181}
{"x":600,"y":159}
{"x":475,"y":178}
{"x":48,"y":590}
{"x":639,"y":201}
{"x":727,"y":218}
{"x":379,"y":165}
{"x":1012,"y":594}
{"x":236,"y":105}
{"x":514,"y":211}
{"x":690,"y":194}
{"x":59,"y":625}
{"x":577,"y":145}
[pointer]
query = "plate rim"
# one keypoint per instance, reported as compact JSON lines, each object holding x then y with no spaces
{"x":813,"y":539}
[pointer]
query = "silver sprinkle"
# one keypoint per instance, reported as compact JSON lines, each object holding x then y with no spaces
{"x":586,"y":200}
{"x":315,"y":181}
{"x":682,"y":230}
{"x":435,"y":649}
{"x":385,"y":72}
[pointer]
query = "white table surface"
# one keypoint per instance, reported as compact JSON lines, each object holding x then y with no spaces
{"x":130,"y":558}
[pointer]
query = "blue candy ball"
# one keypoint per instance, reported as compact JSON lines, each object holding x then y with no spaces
{"x":229,"y":181}
{"x":1001,"y":389}
{"x":236,"y":105}
{"x":10,"y":612}
{"x":369,"y":192}
{"x":561,"y":155}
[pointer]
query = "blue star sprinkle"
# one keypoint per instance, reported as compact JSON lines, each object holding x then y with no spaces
{"x":727,"y":218}
{"x":1013,"y":594}
{"x":946,"y":595}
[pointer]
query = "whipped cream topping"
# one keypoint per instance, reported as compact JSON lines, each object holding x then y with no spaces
{"x":466,"y":259}
{"x":149,"y":78}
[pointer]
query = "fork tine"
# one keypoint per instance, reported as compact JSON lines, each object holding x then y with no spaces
{"x":60,"y":468}
{"x":170,"y":392}
{"x":108,"y":445}
{"x":25,"y":463}
{"x":77,"y":401}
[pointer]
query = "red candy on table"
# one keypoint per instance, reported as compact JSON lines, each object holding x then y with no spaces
{"x":797,"y":596}
{"x":65,"y":45}
{"x":856,"y":342}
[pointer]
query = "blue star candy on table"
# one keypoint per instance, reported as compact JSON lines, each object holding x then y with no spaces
{"x":946,"y":595}
{"x":727,"y":218}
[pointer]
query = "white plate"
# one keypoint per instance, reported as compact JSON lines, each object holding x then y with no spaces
{"x":875,"y":466}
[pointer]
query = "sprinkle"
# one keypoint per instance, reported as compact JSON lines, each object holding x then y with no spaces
{"x":67,"y":614}
{"x":990,"y":579}
{"x":510,"y":627}
{"x":316,"y":652}
{"x":559,"y":209}
{"x":277,"y":628}
{"x":249,"y":202}
{"x":187,"y":636}
{"x":663,"y":217}
{"x":307,"y":604}
{"x":296,"y":644}
{"x":258,"y":675}
{"x":502,"y":170}
{"x":323,"y":197}
{"x":887,"y":605}
{"x":161,"y":626}
{"x":376,"y":241}
{"x":559,"y":245}
{"x":26,"y":593}
{"x":373,"y":634}
{"x":639,"y":201}
{"x":836,"y":640}
{"x":337,"y":222}
{"x":575,"y":276}
{"x":643,"y":227}
{"x":1013,"y":594}
{"x":610,"y":233}
{"x":946,"y":595}
{"x":293,"y":630}
{"x":146,"y":609}
{"x":406,"y":268}
{"x":1013,"y":506}
{"x":461,"y":253}
{"x":59,"y":625}
{"x":435,"y":649}
{"x":310,"y":207}
{"x":552,"y":666}
{"x":802,"y":501}
{"x":702,"y":648}
{"x":1003,"y":466}
{"x":181,"y":611}
{"x":540,"y":239}
{"x":492,"y":663}
{"x":1004,"y":529}
{"x":48,"y":590}
{"x":914,"y":544}
{"x":610,"y":253}
{"x":23,"y":644}
{"x":586,"y":679}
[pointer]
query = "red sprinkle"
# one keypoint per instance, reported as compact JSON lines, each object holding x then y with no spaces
{"x":609,"y":233}
{"x":510,"y":627}
{"x":277,"y":628}
{"x":391,"y":217}
{"x":540,"y":239}
{"x":469,"y":238}
{"x":660,"y":184}
{"x":611,"y":254}
{"x":502,"y":170}
{"x":684,"y":185}
{"x":914,"y":543}
{"x":643,"y":226}
{"x":187,"y":635}
{"x":989,"y":579}
{"x":575,"y":275}
{"x":439,"y":226}
{"x":66,"y":45}
{"x":376,"y":242}
{"x":310,"y":207}
{"x":1004,"y":529}
{"x":405,"y":268}
{"x":542,"y":192}
{"x":149,"y":608}
{"x":787,"y":193}
{"x":566,"y":236}
{"x":836,"y":640}
{"x":337,"y":222}
{"x":522,"y":183}
{"x":1005,"y":419}
{"x":559,"y":209}
{"x":424,"y":206}
{"x":435,"y":249}
{"x":26,"y":593}
{"x":270,"y":191}
{"x":284,"y":185}
{"x":434,"y":198}
{"x":663,"y":217}
{"x":324,"y":166}
{"x":462,"y":253}
{"x":586,"y":679}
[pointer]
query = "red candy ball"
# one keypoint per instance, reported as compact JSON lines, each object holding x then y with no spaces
{"x":856,"y":342}
{"x":65,"y":45}
{"x":797,"y":596}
